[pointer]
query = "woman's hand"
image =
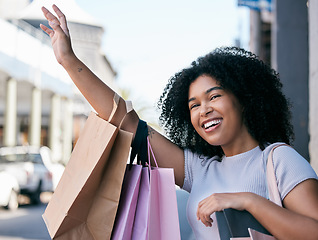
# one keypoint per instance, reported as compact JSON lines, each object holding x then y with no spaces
{"x":218,"y":202}
{"x":59,"y":34}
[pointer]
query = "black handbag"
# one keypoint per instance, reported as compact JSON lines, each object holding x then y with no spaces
{"x":235,"y":223}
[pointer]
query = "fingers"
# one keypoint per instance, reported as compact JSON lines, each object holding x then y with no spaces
{"x":62,"y":18}
{"x":50,"y":17}
{"x":204,"y":215}
{"x":54,"y":22}
{"x":208,"y":206}
{"x":46,"y":29}
{"x":218,"y":202}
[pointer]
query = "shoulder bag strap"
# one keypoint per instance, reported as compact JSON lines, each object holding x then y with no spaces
{"x":273,"y":192}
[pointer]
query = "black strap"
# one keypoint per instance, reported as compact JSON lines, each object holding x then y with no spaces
{"x":139,"y":145}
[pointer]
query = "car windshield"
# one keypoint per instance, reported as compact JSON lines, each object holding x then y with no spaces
{"x":29,"y":157}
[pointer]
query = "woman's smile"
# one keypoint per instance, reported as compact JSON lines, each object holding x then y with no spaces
{"x":211,"y":124}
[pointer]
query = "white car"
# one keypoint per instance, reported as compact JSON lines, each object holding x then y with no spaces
{"x":32,"y":167}
{"x":9,"y":189}
{"x":55,"y":168}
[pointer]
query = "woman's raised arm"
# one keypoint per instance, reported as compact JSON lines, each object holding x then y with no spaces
{"x":100,"y":96}
{"x":97,"y":93}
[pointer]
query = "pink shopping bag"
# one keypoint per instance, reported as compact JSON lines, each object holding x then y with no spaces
{"x":255,"y":235}
{"x":140,"y":228}
{"x":127,"y":205}
{"x":163,"y":210}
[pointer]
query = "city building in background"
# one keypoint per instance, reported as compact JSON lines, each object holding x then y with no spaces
{"x":39,"y":104}
{"x":284,"y":33}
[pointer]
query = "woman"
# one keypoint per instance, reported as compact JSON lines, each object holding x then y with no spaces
{"x":222,"y":115}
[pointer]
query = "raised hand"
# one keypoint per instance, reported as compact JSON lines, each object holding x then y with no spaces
{"x":59,"y":34}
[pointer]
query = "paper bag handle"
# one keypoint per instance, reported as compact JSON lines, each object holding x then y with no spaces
{"x":115,"y":106}
{"x":129,"y":108}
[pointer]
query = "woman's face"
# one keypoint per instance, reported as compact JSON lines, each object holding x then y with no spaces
{"x":216,"y":114}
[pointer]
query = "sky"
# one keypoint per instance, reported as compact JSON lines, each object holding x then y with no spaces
{"x":148,"y":41}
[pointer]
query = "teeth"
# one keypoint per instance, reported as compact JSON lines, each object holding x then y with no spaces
{"x":213,"y":122}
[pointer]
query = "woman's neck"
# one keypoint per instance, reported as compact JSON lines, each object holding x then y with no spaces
{"x":245,"y":144}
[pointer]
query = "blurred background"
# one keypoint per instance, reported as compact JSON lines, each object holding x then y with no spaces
{"x":134,"y":47}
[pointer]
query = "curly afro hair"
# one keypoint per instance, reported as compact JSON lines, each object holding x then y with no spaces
{"x":266,"y":111}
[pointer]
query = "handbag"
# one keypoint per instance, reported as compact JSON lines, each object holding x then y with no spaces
{"x":235,"y":224}
{"x":85,"y":201}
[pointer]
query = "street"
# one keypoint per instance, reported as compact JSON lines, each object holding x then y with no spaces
{"x":24,"y":223}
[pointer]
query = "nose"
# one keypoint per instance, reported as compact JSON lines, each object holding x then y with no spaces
{"x":205,"y":109}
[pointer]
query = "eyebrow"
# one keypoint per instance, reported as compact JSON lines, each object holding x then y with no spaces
{"x":206,"y":92}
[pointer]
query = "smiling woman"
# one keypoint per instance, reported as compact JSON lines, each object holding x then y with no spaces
{"x":223,"y":115}
{"x":227,"y":111}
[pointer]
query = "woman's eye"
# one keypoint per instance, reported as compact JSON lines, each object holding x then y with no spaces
{"x":193,"y":106}
{"x":214,"y":97}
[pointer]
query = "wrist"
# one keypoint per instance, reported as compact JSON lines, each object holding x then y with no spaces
{"x":251,"y":202}
{"x":248,"y":200}
{"x":69,"y":61}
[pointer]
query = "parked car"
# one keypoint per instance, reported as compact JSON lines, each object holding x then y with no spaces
{"x":55,"y":168}
{"x":9,"y":189}
{"x":32,"y":167}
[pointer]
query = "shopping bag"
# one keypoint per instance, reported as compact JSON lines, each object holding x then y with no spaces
{"x":256,"y":235}
{"x":85,"y":201}
{"x":163,"y":210}
{"x":138,"y":229}
{"x":239,"y":225}
{"x":141,"y":223}
{"x":156,"y":214}
{"x":127,"y":205}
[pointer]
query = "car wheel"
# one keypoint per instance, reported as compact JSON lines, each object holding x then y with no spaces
{"x":35,"y":197}
{"x":13,"y":203}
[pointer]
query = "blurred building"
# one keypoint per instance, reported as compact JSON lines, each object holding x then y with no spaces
{"x":39,"y":104}
{"x":284,"y":33}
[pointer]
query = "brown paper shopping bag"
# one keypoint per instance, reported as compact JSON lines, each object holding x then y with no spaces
{"x":85,"y":201}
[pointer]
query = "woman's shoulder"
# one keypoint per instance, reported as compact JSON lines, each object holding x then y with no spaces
{"x":280,"y":150}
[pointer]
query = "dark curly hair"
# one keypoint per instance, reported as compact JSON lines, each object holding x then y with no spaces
{"x":266,"y":111}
